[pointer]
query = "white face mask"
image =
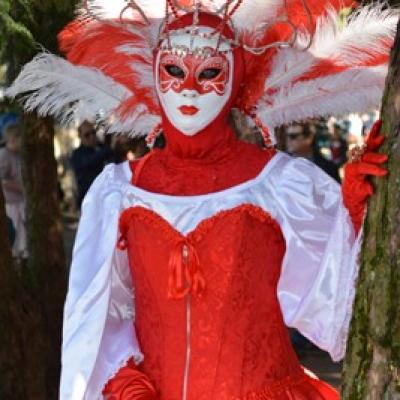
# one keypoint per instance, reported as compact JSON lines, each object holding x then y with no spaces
{"x":194,"y":90}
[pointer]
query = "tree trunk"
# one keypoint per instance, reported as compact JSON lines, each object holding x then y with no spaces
{"x":9,"y":350}
{"x":47,"y":266}
{"x":32,"y":297}
{"x":20,"y":320}
{"x":372,"y":365}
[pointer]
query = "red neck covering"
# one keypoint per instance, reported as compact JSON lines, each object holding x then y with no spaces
{"x":211,"y":160}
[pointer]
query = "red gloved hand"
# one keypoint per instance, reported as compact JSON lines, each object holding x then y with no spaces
{"x":356,"y":187}
{"x":129,"y":384}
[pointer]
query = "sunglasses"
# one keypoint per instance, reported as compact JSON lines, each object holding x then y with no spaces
{"x":89,"y":133}
{"x":294,"y":136}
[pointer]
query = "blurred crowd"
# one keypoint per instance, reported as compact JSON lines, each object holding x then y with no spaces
{"x":93,"y":150}
{"x":89,"y":158}
{"x":323,"y":142}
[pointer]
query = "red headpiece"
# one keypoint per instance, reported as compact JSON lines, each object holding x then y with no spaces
{"x":301,"y":60}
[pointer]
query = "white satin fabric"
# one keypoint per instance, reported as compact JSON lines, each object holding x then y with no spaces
{"x":98,"y":333}
{"x":316,"y":288}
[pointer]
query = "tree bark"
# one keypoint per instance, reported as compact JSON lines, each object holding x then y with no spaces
{"x":32,"y":297}
{"x":19,"y":319}
{"x":372,"y":364}
{"x":47,"y":265}
{"x":9,"y":347}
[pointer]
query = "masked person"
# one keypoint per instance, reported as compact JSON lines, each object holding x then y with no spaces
{"x":188,"y":262}
{"x":11,"y":184}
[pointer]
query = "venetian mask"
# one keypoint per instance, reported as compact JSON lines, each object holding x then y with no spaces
{"x":194,"y":82}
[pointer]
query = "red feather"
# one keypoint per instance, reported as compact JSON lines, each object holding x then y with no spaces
{"x":84,"y":44}
{"x":258,"y":67}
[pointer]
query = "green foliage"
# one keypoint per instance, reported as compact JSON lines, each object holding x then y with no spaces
{"x":9,"y":26}
{"x":28,"y":25}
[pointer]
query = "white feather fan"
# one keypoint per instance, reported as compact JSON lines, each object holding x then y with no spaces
{"x":354,"y":90}
{"x":248,"y":16}
{"x":53,"y":86}
{"x":291,"y":96}
{"x":56,"y":83}
{"x":359,"y":39}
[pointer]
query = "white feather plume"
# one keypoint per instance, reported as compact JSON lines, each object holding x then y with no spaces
{"x":250,"y":13}
{"x":354,"y":90}
{"x":358,"y":39}
{"x":288,"y":65}
{"x":248,"y":16}
{"x":53,"y":86}
{"x":135,"y":126}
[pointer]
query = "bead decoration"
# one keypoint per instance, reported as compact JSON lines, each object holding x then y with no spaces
{"x":356,"y":153}
{"x":152,"y":136}
{"x":172,"y":5}
{"x":198,"y":52}
{"x":263,"y":129}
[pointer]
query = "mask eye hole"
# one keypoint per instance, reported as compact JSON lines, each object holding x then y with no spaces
{"x":209,"y":73}
{"x":175,"y":71}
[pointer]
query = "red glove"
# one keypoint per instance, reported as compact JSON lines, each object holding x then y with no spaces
{"x":130,"y":384}
{"x":356,"y":186}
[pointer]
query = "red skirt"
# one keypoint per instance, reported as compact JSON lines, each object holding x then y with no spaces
{"x":131,"y":384}
{"x":300,"y":387}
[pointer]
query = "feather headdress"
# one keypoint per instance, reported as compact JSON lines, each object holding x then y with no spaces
{"x":303,"y":59}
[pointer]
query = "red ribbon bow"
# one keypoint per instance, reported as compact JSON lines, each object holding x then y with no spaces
{"x":185,"y":274}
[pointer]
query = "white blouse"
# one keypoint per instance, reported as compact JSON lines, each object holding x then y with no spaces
{"x":316,"y":287}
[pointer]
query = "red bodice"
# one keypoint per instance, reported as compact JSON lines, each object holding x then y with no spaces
{"x":208,"y":318}
{"x":228,"y":341}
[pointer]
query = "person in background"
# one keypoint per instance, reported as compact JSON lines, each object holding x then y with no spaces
{"x":338,"y":146}
{"x":11,"y":183}
{"x":5,"y":120}
{"x":125,"y":148}
{"x":300,"y":141}
{"x":88,"y":159}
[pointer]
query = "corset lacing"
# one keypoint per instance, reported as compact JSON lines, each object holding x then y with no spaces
{"x":185,"y":275}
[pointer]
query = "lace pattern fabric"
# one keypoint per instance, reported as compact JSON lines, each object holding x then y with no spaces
{"x":238,"y":341}
{"x":304,"y":202}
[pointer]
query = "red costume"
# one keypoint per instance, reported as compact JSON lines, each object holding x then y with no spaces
{"x":233,"y":358}
{"x":189,"y":263}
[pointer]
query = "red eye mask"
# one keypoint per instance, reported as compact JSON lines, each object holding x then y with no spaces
{"x":193,"y":73}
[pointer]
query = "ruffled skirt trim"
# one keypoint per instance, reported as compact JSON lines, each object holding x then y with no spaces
{"x":297,"y":387}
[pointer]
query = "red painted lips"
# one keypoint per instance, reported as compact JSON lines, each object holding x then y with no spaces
{"x":189,"y":110}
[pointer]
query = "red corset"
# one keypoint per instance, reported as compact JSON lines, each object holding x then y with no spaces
{"x":207,"y":314}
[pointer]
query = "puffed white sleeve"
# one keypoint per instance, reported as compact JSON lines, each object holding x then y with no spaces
{"x":317,"y":284}
{"x":98,"y":330}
